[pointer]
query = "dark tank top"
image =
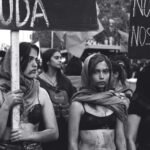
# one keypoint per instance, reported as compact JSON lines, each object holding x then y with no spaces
{"x":91,"y":122}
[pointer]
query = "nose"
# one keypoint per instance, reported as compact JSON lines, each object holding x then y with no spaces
{"x":34,"y":63}
{"x":101,"y":75}
{"x":60,"y":60}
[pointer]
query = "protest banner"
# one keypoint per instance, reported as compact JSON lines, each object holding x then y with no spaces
{"x":139,"y":35}
{"x":68,"y":15}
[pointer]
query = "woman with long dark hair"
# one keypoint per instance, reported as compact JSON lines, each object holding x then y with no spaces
{"x":35,"y":104}
{"x":60,"y":91}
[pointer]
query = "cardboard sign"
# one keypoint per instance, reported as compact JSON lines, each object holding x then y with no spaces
{"x":77,"y":15}
{"x":139,"y":35}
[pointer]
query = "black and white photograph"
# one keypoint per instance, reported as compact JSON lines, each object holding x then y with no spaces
{"x":74,"y":75}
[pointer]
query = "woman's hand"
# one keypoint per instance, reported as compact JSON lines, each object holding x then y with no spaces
{"x":13,"y":98}
{"x":20,"y":135}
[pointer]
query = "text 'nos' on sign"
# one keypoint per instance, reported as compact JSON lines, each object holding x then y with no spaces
{"x":139,"y":35}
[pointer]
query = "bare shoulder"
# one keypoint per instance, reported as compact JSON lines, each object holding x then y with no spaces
{"x":43,"y":95}
{"x":77,"y":107}
{"x":76,"y":104}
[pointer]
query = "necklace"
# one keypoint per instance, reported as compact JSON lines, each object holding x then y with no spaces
{"x":52,"y":81}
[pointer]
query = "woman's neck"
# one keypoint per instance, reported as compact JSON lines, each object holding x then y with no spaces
{"x":117,"y":85}
{"x":51,"y":72}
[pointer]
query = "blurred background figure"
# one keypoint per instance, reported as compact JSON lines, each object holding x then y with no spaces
{"x":74,"y":67}
{"x":2,"y":54}
{"x":118,"y":77}
{"x":138,"y":137}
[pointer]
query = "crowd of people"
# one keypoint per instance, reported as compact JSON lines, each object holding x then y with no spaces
{"x":103,"y":114}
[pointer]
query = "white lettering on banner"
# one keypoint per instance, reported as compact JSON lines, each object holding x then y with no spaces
{"x":18,"y":23}
{"x":39,"y":15}
{"x":140,"y":36}
{"x":142,"y":5}
{"x":30,"y":14}
{"x":10,"y":18}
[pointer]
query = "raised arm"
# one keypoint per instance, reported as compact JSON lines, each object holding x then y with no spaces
{"x":76,"y":111}
{"x":132,"y":129}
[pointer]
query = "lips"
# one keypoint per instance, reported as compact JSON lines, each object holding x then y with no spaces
{"x":102,"y":83}
{"x":33,"y":71}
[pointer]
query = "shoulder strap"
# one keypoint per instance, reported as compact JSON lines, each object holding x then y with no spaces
{"x":84,"y":107}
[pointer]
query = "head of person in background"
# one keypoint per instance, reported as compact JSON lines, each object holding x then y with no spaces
{"x":52,"y":65}
{"x":51,"y":59}
{"x":112,"y":25}
{"x":125,"y":62}
{"x":118,"y":76}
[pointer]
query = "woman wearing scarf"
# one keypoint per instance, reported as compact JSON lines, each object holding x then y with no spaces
{"x":35,"y":104}
{"x":97,"y":113}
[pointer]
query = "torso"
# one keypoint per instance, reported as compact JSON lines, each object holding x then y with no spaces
{"x":97,"y":137}
{"x":100,"y":139}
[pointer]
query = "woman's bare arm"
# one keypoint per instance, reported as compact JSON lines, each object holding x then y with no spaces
{"x":76,"y":111}
{"x":120,"y":136}
{"x":132,"y":129}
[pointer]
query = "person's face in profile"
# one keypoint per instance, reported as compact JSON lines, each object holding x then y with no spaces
{"x":31,"y":69}
{"x":55,"y":60}
{"x":100,"y":76}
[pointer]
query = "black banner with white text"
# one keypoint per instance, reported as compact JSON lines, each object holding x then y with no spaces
{"x":69,"y":15}
{"x":139,"y":35}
